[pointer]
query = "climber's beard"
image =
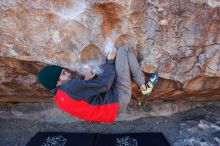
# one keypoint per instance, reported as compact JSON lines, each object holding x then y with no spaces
{"x":74,"y":74}
{"x":61,"y":82}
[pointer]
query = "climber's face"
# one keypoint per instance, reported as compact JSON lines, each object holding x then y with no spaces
{"x":64,"y":76}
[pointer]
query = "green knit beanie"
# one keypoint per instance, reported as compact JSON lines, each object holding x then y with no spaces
{"x":49,"y":75}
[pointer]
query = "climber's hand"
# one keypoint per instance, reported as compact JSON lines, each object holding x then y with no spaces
{"x":88,"y":73}
{"x":112,"y":55}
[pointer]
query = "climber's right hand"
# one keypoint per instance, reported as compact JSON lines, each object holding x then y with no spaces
{"x":112,"y":55}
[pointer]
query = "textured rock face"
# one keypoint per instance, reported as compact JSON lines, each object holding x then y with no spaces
{"x":179,"y":39}
{"x":48,"y":112}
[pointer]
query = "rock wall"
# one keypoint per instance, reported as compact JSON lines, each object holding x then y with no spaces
{"x":180,"y":39}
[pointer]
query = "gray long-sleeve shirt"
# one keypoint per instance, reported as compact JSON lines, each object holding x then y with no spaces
{"x":95,"y":91}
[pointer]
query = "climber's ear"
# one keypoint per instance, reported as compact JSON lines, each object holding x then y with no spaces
{"x":59,"y":83}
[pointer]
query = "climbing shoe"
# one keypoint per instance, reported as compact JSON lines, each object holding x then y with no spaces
{"x":149,"y":85}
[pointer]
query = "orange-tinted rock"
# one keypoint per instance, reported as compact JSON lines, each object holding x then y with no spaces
{"x":203,"y":83}
{"x":110,"y":18}
{"x":91,"y":52}
{"x":18,"y":78}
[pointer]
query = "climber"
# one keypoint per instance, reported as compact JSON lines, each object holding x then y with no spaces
{"x":99,"y":98}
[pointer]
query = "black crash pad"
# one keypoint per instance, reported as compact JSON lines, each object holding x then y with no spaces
{"x":97,"y":139}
